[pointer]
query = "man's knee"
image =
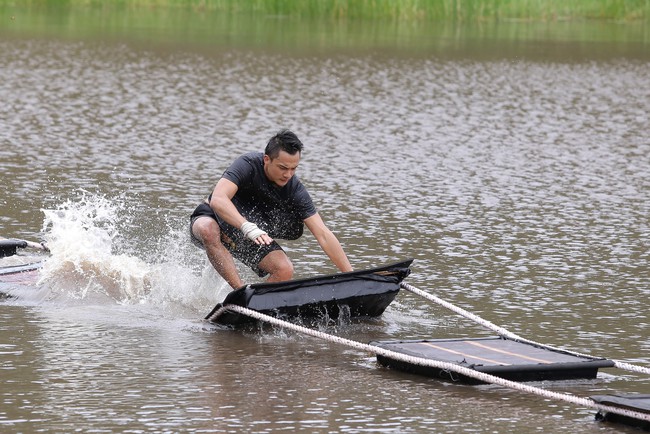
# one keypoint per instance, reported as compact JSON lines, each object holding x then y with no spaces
{"x":284,"y":271}
{"x":278,"y":265}
{"x":207,"y":231}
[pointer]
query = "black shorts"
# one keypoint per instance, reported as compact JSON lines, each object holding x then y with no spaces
{"x":237,"y":244}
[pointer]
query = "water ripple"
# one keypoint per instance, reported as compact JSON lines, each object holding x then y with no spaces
{"x":520,"y":187}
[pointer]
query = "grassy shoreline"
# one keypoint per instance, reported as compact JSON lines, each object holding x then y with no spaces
{"x":394,"y":10}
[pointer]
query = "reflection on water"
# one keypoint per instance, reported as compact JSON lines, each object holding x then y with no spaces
{"x":206,"y":30}
{"x":519,"y":186}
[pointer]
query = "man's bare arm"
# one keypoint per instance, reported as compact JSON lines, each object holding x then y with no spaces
{"x":328,"y":242}
{"x":221,"y":203}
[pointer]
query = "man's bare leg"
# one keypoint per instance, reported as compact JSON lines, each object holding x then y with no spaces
{"x":278,"y":265}
{"x":207,"y":230}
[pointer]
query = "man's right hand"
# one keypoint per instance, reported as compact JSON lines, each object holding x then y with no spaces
{"x":255,"y":234}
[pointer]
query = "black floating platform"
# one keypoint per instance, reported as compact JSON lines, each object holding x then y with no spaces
{"x":362,"y":293}
{"x":636,"y":402}
{"x":505,"y":358}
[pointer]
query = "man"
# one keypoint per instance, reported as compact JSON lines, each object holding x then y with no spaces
{"x":257,"y":199}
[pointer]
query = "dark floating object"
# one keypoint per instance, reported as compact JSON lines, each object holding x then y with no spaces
{"x":364,"y":293}
{"x":636,"y":402}
{"x":9,"y":247}
{"x":505,"y":358}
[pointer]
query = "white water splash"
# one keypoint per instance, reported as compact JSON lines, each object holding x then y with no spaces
{"x":88,"y":260}
{"x":80,"y":236}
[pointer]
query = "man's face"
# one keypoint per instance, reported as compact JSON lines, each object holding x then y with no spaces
{"x":280,"y":169}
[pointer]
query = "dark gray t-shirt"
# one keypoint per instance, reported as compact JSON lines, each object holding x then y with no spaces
{"x":279,"y":211}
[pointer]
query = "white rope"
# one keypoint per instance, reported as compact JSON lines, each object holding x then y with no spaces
{"x":508,"y":334}
{"x":445,"y":366}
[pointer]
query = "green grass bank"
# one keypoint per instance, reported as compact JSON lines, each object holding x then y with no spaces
{"x":395,"y":10}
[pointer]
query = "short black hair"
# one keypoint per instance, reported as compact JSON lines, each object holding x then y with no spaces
{"x":284,"y":140}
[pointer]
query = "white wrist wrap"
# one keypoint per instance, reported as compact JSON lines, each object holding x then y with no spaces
{"x":251,"y":231}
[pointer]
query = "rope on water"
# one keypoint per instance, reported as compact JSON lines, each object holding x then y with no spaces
{"x":445,"y":366}
{"x":508,"y":334}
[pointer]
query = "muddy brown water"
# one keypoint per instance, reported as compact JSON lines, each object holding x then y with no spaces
{"x":519,"y":184}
